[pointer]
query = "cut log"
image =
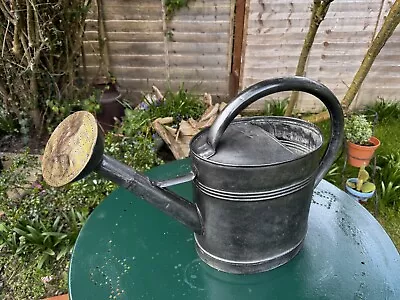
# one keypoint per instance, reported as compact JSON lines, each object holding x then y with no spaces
{"x":169,"y":138}
{"x":178,"y":140}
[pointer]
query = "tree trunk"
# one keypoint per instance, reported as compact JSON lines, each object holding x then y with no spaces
{"x":103,"y":44}
{"x":319,"y":10}
{"x":388,"y":27}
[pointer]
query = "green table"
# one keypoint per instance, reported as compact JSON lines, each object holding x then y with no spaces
{"x":130,"y":250}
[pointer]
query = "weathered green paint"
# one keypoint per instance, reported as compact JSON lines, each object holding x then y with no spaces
{"x":129,"y":250}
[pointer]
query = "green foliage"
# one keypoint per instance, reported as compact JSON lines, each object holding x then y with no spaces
{"x":44,"y":241}
{"x":358,"y":129}
{"x":59,"y":111}
{"x":172,"y":6}
{"x":388,"y":131}
{"x":39,"y":228}
{"x":23,"y":280}
{"x":15,"y":175}
{"x":389,"y":176}
{"x":179,"y":105}
{"x":42,"y":201}
{"x":386,"y":110}
{"x":135,"y":121}
{"x":389,"y":194}
{"x":332,"y":174}
{"x":47,"y":217}
{"x":276,"y":107}
{"x":388,"y":167}
{"x":390,"y":220}
{"x":8,"y":125}
{"x":137,"y":152}
{"x":41,"y":47}
{"x":389,"y":135}
{"x":133,"y":142}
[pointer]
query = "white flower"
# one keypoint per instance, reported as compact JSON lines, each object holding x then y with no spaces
{"x":47,"y":279}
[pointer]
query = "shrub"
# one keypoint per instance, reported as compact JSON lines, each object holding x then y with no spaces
{"x":41,"y":48}
{"x":358,"y":129}
{"x":386,"y":110}
{"x":275,"y":107}
{"x":389,"y":176}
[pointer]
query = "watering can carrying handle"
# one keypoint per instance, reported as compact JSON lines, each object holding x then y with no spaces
{"x":271,"y":86}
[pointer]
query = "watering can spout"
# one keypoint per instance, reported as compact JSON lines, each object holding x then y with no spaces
{"x":153,"y":192}
{"x":76,"y":149}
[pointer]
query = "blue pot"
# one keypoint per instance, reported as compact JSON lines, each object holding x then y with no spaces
{"x":360,"y":196}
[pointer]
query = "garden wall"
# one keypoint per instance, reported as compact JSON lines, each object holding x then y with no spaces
{"x":195,"y":47}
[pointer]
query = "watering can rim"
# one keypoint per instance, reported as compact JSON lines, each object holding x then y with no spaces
{"x":299,"y":122}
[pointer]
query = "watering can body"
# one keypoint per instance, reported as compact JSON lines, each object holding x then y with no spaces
{"x":253,"y":180}
{"x":255,"y":216}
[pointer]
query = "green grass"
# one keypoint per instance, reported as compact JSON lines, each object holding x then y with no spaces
{"x":388,"y":132}
{"x":389,"y":135}
{"x":390,"y":220}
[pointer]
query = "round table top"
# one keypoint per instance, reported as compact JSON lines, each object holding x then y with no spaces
{"x":129,"y":250}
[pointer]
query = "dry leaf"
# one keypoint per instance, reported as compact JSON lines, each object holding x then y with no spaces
{"x":157,"y":93}
{"x":222,"y":105}
{"x":207,"y":99}
{"x":209,"y":113}
{"x":187,"y":129}
{"x":166,"y":120}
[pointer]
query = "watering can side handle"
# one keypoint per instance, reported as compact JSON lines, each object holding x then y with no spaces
{"x":190,"y":176}
{"x":271,"y":86}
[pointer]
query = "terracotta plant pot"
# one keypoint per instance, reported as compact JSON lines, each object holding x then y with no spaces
{"x":358,"y":155}
{"x":61,"y":297}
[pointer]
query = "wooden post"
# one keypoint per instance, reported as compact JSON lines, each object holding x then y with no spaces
{"x":240,"y":9}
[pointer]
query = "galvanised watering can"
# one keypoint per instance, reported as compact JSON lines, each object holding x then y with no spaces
{"x":253,"y":178}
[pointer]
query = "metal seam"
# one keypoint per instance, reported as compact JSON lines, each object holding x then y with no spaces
{"x":264,"y":195}
{"x":246,"y":262}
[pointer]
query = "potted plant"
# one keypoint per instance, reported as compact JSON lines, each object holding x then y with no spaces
{"x":361,"y":145}
{"x":111,"y":107}
{"x":360,"y":188}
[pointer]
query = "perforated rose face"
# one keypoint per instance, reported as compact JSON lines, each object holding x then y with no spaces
{"x":69,"y":148}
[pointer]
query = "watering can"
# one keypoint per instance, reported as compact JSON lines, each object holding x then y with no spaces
{"x":253,"y":178}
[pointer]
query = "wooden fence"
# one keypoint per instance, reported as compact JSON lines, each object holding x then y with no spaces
{"x":275,"y":32}
{"x":193,"y":48}
{"x":196,"y":47}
